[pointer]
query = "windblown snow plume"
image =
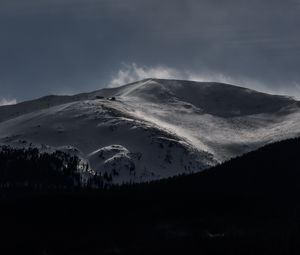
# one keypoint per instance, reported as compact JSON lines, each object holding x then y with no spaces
{"x":132,"y":72}
{"x":5,"y":101}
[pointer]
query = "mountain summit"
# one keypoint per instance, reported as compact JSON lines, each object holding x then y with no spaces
{"x":154,"y":128}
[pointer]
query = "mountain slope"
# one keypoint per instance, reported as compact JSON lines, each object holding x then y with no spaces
{"x":109,"y":138}
{"x":154,"y":128}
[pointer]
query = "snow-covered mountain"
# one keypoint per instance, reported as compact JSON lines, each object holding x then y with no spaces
{"x":153,"y":128}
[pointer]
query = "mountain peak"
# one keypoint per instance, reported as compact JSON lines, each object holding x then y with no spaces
{"x":220,"y":99}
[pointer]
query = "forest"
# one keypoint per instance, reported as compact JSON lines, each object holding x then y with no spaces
{"x":248,"y":205}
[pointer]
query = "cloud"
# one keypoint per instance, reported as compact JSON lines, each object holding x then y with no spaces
{"x":5,"y":101}
{"x":132,"y":72}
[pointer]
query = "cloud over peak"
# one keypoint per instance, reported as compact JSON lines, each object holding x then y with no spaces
{"x":133,"y":72}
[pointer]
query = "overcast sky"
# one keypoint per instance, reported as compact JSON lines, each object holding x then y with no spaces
{"x":70,"y":46}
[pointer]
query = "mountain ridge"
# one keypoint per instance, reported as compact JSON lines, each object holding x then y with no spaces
{"x":154,"y":128}
{"x":50,"y":100}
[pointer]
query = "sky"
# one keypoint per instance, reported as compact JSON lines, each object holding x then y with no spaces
{"x":72,"y":46}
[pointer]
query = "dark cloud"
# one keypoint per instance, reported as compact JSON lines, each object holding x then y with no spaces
{"x":67,"y":46}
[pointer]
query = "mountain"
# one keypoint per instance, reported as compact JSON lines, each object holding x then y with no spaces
{"x":152,"y":129}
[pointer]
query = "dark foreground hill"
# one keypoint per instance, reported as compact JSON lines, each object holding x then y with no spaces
{"x":272,"y":171}
{"x":249,"y":205}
